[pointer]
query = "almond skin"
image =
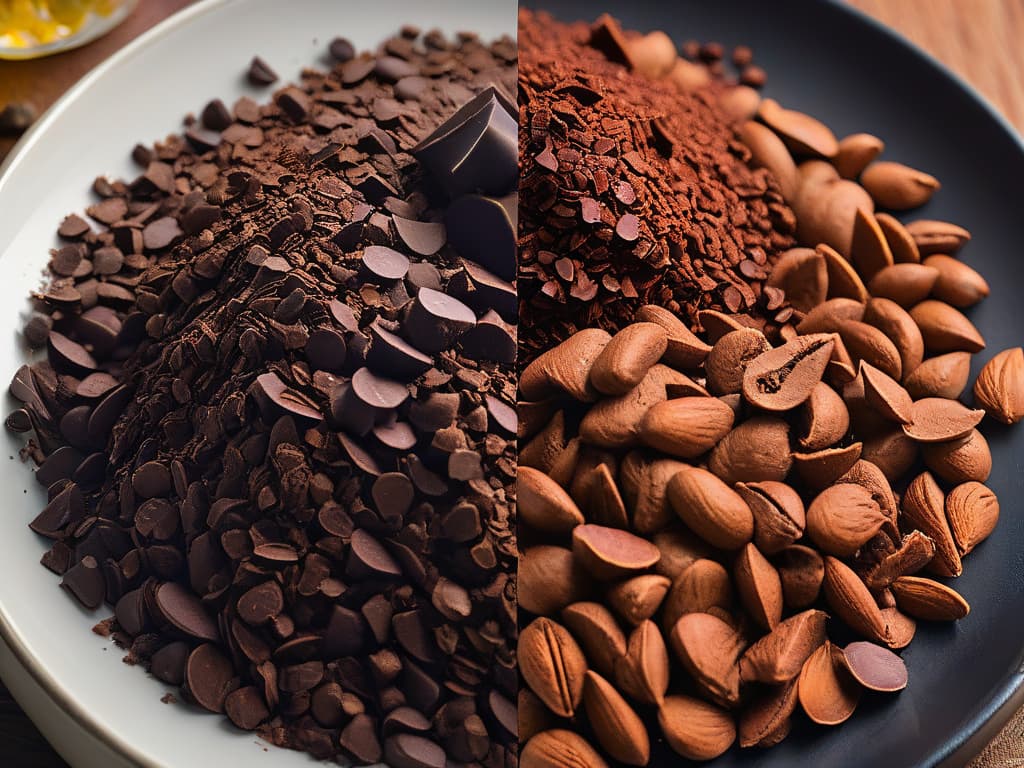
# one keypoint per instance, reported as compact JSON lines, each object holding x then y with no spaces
{"x":597,"y":631}
{"x":851,"y":600}
{"x":904,"y":249}
{"x":729,"y":357}
{"x":957,"y":283}
{"x":940,"y":376}
{"x":999,"y":388}
{"x":937,"y":236}
{"x":802,"y":133}
{"x":843,"y":518}
{"x":959,"y":461}
{"x":566,"y":368}
{"x":897,"y":186}
{"x":543,"y":503}
{"x":759,"y":588}
{"x":856,"y":151}
{"x":906,"y":284}
{"x":972,"y":511}
{"x":710,"y":508}
{"x":686,"y":426}
{"x":924,"y":508}
{"x":827,"y":692}
{"x":946,"y":329}
{"x":553,"y":665}
{"x":618,"y":728}
{"x":929,"y":600}
{"x":559,"y":748}
{"x":627,"y":358}
{"x":684,"y":350}
{"x":756,"y":449}
{"x":696,"y":729}
{"x":870,"y":253}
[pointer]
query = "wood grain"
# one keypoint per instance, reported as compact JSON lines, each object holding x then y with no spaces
{"x":978,"y":39}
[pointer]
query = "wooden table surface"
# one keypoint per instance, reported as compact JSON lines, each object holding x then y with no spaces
{"x":979,"y":39}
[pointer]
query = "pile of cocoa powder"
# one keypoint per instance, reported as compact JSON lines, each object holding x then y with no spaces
{"x":635,"y":188}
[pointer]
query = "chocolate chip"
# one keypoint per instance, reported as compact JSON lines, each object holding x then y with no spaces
{"x":385,"y":262}
{"x":161,"y":233}
{"x":215,"y":115}
{"x":294,"y":103}
{"x":423,"y":237}
{"x":377,"y":391}
{"x":208,"y":674}
{"x":342,"y":50}
{"x":246,"y":708}
{"x":406,"y":750}
{"x":85,"y":581}
{"x":260,"y":72}
{"x":151,"y":479}
{"x":73,"y":227}
{"x":261,"y":603}
{"x":168,"y":663}
{"x":359,"y":740}
{"x":185,"y":611}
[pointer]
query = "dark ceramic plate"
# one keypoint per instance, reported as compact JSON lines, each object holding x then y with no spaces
{"x":833,"y":63}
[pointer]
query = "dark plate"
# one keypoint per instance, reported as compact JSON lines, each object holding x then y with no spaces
{"x":835,"y":64}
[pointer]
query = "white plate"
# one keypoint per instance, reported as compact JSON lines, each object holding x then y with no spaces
{"x":54,"y":661}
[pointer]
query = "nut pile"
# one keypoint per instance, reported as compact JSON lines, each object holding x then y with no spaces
{"x":698,"y":503}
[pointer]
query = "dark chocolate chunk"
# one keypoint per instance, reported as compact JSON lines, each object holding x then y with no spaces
{"x":435,"y":320}
{"x":168,"y":663}
{"x":406,"y":750}
{"x":261,"y":603}
{"x":246,"y":708}
{"x":185,"y":611}
{"x":378,"y":391}
{"x":359,"y":740}
{"x":260,"y":72}
{"x":423,"y":237}
{"x":208,"y":674}
{"x":215,"y":115}
{"x":85,"y":581}
{"x":385,"y":262}
{"x":342,"y":50}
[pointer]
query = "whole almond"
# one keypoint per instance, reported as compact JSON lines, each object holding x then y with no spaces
{"x":885,"y":395}
{"x":546,"y":445}
{"x":703,"y":585}
{"x":563,"y":467}
{"x":614,"y":422}
{"x":729,"y":357}
{"x":602,"y":499}
{"x":855,"y":152}
{"x":616,"y":726}
{"x":638,"y":598}
{"x":945,"y":329}
{"x":897,"y":325}
{"x":611,"y":553}
{"x":802,"y":274}
{"x":937,"y":236}
{"x":779,"y":656}
{"x":589,"y":458}
{"x":653,"y":55}
{"x":534,"y":416}
{"x":905,"y":283}
{"x":960,"y":461}
{"x":710,"y":508}
{"x":768,"y":151}
{"x":827,"y":692}
{"x":553,"y":665}
{"x":709,"y":649}
{"x":566,"y":368}
{"x":696,"y":729}
{"x":598,"y":633}
{"x":825,"y":418}
{"x":819,"y":469}
{"x":643,"y":672}
{"x":534,"y":717}
{"x":801,"y":571}
{"x":686,"y":426}
{"x":828,"y":317}
{"x":972,"y":511}
{"x":543,"y":503}
{"x":901,"y":242}
{"x":940,"y":376}
{"x":999,"y":388}
{"x":778,"y":511}
{"x":929,"y":600}
{"x":550,"y":579}
{"x":852,"y":602}
{"x":685,"y":350}
{"x":825,"y":212}
{"x":756,"y":449}
{"x":783,"y":378}
{"x":560,"y":749}
{"x":644,"y":481}
{"x":892,"y":452}
{"x":842,"y":518}
{"x":924,"y":508}
{"x":766,"y":720}
{"x":957,"y":283}
{"x":803,"y":134}
{"x":937,"y":420}
{"x":758,"y":586}
{"x":680,"y":548}
{"x":627,"y":358}
{"x":866,"y":342}
{"x":870,"y":251}
{"x":868,"y":475}
{"x":897,"y":186}
{"x":739,"y":102}
{"x":843,"y":280}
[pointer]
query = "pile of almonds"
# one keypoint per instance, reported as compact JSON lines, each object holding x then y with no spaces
{"x":697,"y":504}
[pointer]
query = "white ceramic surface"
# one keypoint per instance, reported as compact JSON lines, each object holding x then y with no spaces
{"x":54,"y":662}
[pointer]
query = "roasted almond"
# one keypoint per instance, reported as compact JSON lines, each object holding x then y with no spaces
{"x":855,"y":152}
{"x":686,"y":426}
{"x":937,"y":420}
{"x":802,"y":274}
{"x":559,"y":748}
{"x":545,"y":447}
{"x":616,"y":726}
{"x":885,"y":395}
{"x":870,"y":251}
{"x":852,"y":602}
{"x":756,"y":449}
{"x":897,"y":186}
{"x":563,"y":467}
{"x":598,"y":633}
{"x":716,"y":324}
{"x":803,"y":134}
{"x":842,"y":518}
{"x":915,"y":551}
{"x":828,"y":317}
{"x":553,"y":665}
{"x":999,"y":388}
{"x":710,"y":508}
{"x":602,"y":499}
{"x":611,"y":553}
{"x":901,"y":242}
{"x":825,"y":210}
{"x":643,"y":672}
{"x":685,"y":350}
{"x":644,"y":481}
{"x":638,"y":598}
{"x":957,"y":283}
{"x":819,"y":469}
{"x":768,"y":151}
{"x":866,"y":342}
{"x":899,"y":628}
{"x":897,"y":325}
{"x":614,"y":422}
{"x":940,"y":376}
{"x":868,"y":475}
{"x":543,"y":503}
{"x":827,"y":692}
{"x":892,"y":452}
{"x":959,"y":461}
{"x":696,"y":729}
{"x":740,"y":102}
{"x":783,"y":378}
{"x":946,"y":329}
{"x":703,"y":585}
{"x":566,"y":368}
{"x":550,"y":579}
{"x":929,"y":600}
{"x":972,"y":511}
{"x":534,"y":416}
{"x":679,"y":548}
{"x":937,"y":236}
{"x":729,"y":357}
{"x":766,"y":720}
{"x":758,"y":586}
{"x":801,"y":571}
{"x":534,"y":717}
{"x":924,"y":508}
{"x":779,"y":656}
{"x":778,"y":511}
{"x":709,"y":649}
{"x":627,"y":358}
{"x":905,"y":283}
{"x":825,"y":418}
{"x":843,"y":280}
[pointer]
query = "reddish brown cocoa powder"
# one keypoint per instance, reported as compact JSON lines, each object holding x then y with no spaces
{"x":632,"y":192}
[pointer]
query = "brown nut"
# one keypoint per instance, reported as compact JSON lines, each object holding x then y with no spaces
{"x":960,"y":461}
{"x":852,"y":602}
{"x":617,"y":727}
{"x":825,"y":418}
{"x":758,"y":586}
{"x":929,"y":600}
{"x":856,"y":151}
{"x":766,"y":720}
{"x":937,"y":236}
{"x":828,"y":694}
{"x":627,"y":358}
{"x":999,"y":388}
{"x":901,"y":242}
{"x":937,"y":420}
{"x":802,"y":274}
{"x":696,"y":729}
{"x":940,"y":376}
{"x":549,"y":580}
{"x":643,"y":672}
{"x":905,"y":283}
{"x":756,"y":449}
{"x":923,"y":508}
{"x":897,"y":186}
{"x":870,"y":252}
{"x":652,"y":55}
{"x":768,"y":151}
{"x":566,"y":368}
{"x":843,"y":280}
{"x":972,"y":511}
{"x":684,"y":351}
{"x":638,"y":598}
{"x":611,"y":553}
{"x":778,"y":511}
{"x":729,"y":358}
{"x":543,"y":504}
{"x":614,"y":422}
{"x":828,"y":317}
{"x":709,"y":650}
{"x":957,"y":283}
{"x":710,"y":508}
{"x":866,"y":342}
{"x":896,"y":324}
{"x":598,"y":633}
{"x":843,"y":518}
{"x":803,"y":134}
{"x":784,"y":377}
{"x":946,"y":329}
{"x":801,"y":571}
{"x":686,"y":426}
{"x":559,"y":748}
{"x":644,"y":481}
{"x":779,"y":656}
{"x":553,"y":665}
{"x":701,"y":586}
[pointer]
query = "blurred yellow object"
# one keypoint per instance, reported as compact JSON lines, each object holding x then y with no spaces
{"x":28,"y":26}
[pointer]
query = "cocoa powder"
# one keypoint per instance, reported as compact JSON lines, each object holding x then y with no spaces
{"x":634,"y":191}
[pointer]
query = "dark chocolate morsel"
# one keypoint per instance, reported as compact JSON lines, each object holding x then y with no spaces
{"x":423,"y":237}
{"x":246,"y":708}
{"x":208,"y":674}
{"x":168,"y":663}
{"x":185,"y":612}
{"x":483,"y":229}
{"x":260,"y":72}
{"x":359,"y":740}
{"x":391,"y":355}
{"x":406,"y":750}
{"x":384,"y":262}
{"x":377,"y":391}
{"x":435,"y":320}
{"x":85,"y":581}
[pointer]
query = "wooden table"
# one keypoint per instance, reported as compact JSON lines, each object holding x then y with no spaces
{"x":979,"y":39}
